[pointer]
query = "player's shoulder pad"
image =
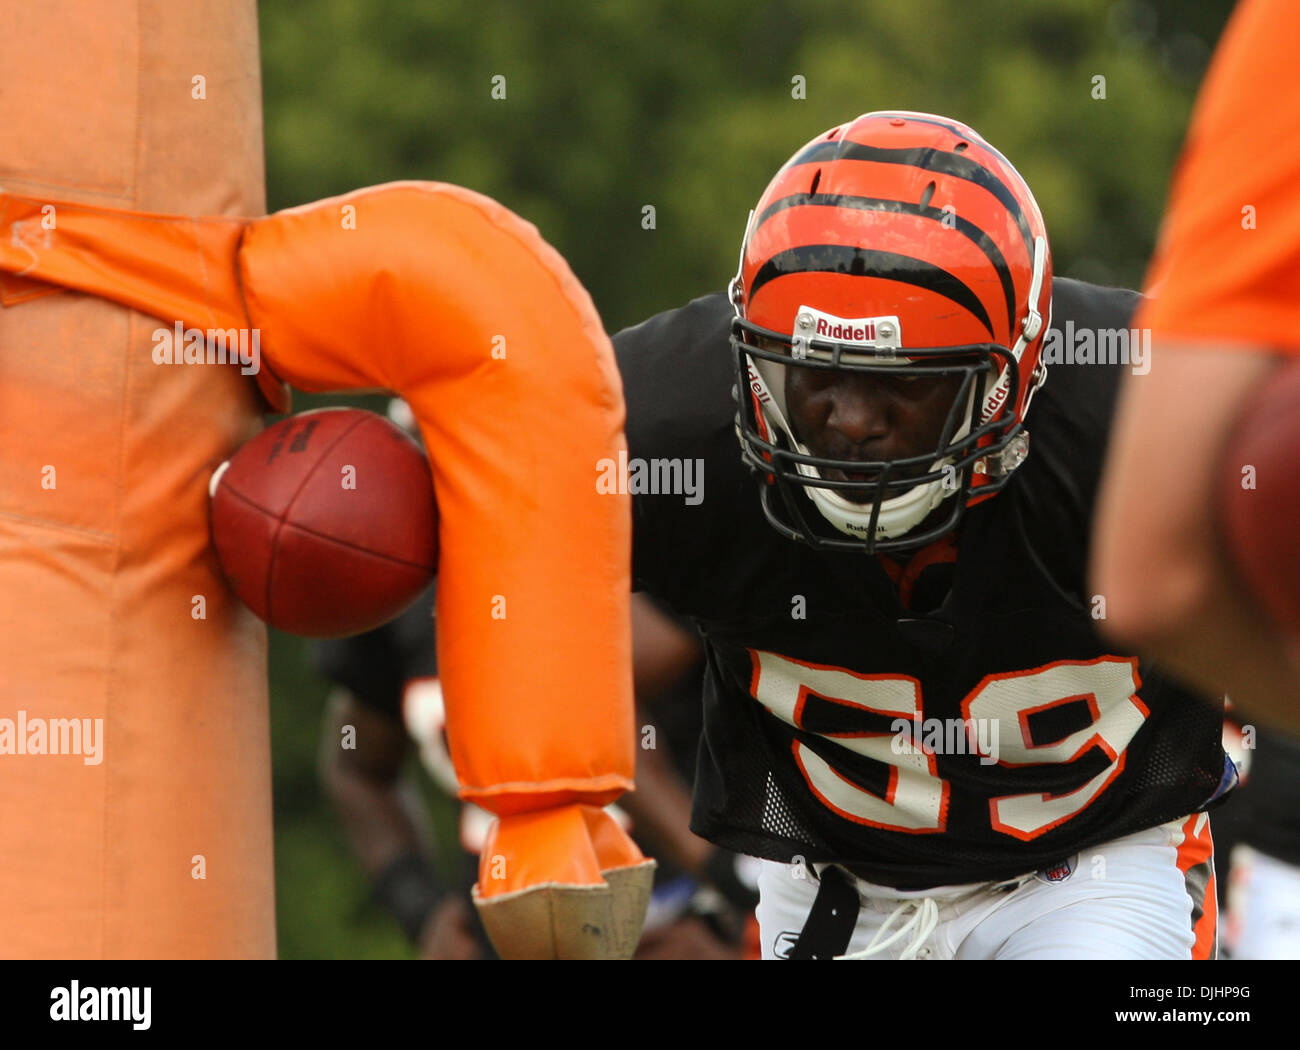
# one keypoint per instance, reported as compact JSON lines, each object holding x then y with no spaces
{"x":680,"y":326}
{"x":1089,"y":323}
{"x":677,"y":379}
{"x":678,"y":382}
{"x":1092,"y":305}
{"x":1069,"y":420}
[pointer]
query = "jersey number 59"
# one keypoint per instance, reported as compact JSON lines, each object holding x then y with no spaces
{"x":916,"y":799}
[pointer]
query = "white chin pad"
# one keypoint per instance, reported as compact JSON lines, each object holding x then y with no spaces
{"x":898,"y":515}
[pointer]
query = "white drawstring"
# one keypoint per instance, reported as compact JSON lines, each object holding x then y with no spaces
{"x":924,"y":919}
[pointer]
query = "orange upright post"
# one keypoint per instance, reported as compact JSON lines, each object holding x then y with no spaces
{"x":153,"y":837}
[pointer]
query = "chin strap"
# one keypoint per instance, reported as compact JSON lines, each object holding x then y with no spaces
{"x":1007,"y":460}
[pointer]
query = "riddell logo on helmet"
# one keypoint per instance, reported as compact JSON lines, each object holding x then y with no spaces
{"x":877,"y":333}
{"x":994,"y":400}
{"x":865,"y":333}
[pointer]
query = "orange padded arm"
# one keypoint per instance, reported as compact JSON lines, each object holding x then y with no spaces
{"x":448,"y":299}
{"x":457,"y":305}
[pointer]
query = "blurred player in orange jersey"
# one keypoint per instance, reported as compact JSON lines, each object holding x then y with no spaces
{"x":1226,"y":281}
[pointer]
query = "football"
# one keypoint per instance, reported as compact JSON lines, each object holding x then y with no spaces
{"x":325,"y":524}
{"x":1259,"y":497}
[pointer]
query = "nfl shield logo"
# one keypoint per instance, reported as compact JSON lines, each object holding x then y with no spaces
{"x":1058,"y":872}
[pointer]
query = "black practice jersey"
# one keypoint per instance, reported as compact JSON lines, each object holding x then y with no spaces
{"x":676,"y":712}
{"x":955,"y":722}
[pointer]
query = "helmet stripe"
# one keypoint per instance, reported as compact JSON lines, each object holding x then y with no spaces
{"x":967,"y":228}
{"x":928,"y":159}
{"x":860,"y":262}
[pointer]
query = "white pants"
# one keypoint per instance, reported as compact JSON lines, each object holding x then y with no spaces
{"x":1145,"y":896}
{"x":1263,"y":906}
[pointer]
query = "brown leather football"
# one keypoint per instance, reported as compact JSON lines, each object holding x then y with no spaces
{"x":325,"y":524}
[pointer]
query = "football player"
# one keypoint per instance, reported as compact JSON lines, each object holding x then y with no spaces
{"x":1226,"y":313}
{"x":909,"y":714}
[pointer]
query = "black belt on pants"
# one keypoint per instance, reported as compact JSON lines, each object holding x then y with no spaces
{"x":834,"y":915}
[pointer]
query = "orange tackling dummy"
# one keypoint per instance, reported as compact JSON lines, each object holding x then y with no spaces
{"x":113,"y":612}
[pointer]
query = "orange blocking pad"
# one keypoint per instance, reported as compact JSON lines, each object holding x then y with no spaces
{"x":460,"y":307}
{"x":449,"y":300}
{"x":565,"y":845}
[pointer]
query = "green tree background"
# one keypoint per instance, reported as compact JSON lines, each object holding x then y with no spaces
{"x":689,"y":107}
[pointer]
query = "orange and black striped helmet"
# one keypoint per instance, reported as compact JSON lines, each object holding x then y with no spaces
{"x":899,"y":241}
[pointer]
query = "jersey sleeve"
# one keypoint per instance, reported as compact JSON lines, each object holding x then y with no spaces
{"x":677,"y":376}
{"x":1069,"y":420}
{"x":1227,"y":268}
